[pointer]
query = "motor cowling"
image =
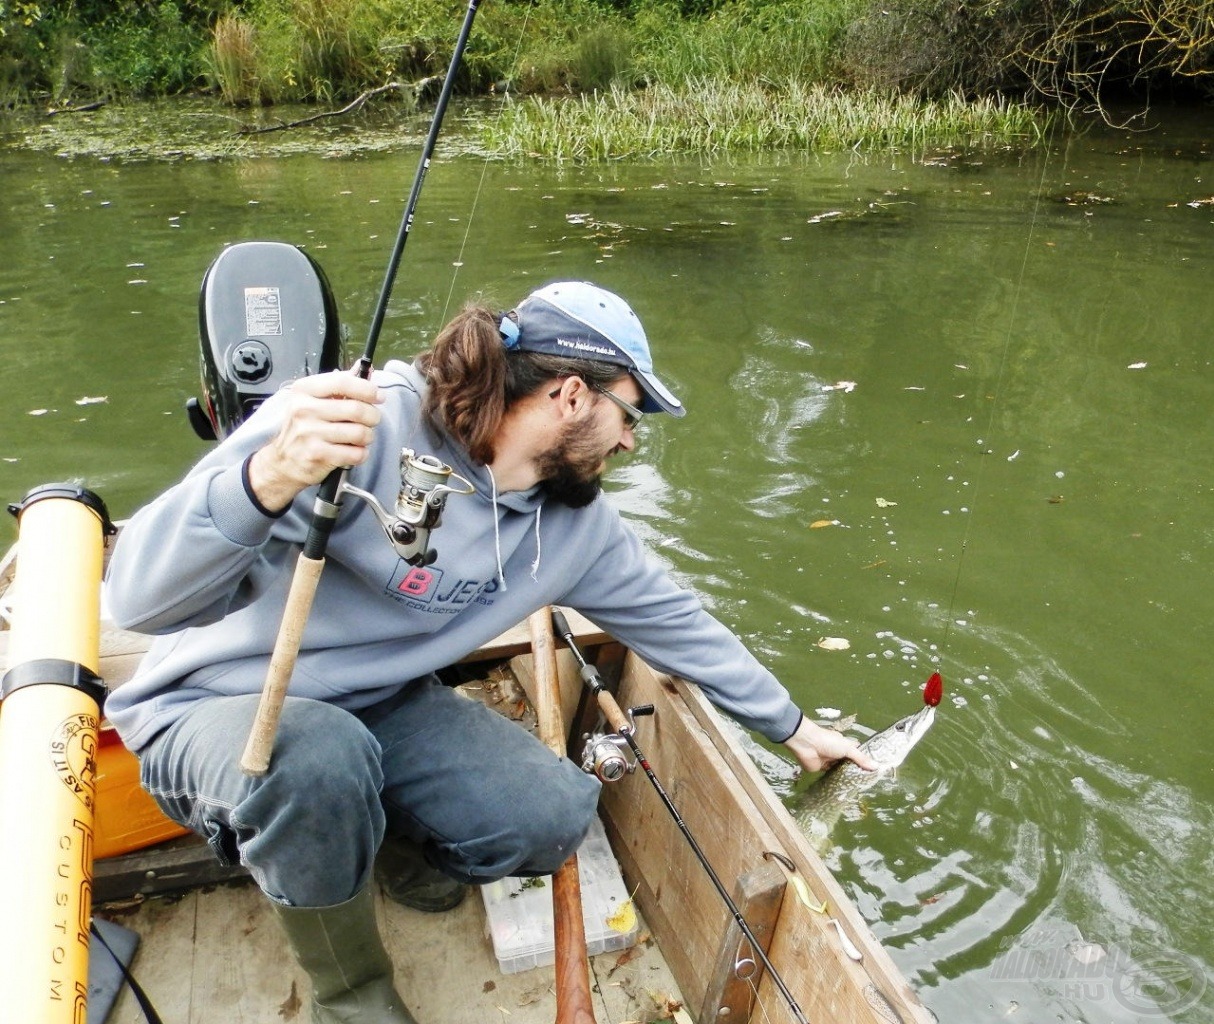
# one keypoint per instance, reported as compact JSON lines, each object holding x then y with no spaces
{"x":266,"y":315}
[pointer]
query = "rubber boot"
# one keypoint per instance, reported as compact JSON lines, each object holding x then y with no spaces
{"x":340,"y":950}
{"x":407,"y":879}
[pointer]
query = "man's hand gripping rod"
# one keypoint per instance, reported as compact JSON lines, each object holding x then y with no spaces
{"x":624,"y":727}
{"x":256,"y":757}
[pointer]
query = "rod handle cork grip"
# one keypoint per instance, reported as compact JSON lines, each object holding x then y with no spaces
{"x":572,"y":967}
{"x":613,"y":713}
{"x":256,"y":757}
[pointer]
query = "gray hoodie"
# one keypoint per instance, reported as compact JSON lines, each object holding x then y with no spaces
{"x":205,"y":569}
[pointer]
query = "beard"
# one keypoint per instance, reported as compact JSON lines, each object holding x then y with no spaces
{"x":569,"y":472}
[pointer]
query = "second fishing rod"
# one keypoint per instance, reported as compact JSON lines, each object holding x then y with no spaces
{"x":606,"y":760}
{"x":425,"y":481}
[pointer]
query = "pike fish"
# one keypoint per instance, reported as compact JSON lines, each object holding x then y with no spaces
{"x":840,"y":786}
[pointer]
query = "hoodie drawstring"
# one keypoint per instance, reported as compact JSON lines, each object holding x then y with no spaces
{"x":497,"y":537}
{"x":535,"y":566}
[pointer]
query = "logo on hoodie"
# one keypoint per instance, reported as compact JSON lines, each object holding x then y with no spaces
{"x":428,"y":590}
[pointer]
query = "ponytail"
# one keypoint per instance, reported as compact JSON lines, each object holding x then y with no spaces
{"x":466,"y":368}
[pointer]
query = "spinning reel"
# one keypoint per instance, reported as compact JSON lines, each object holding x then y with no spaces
{"x":606,"y":753}
{"x":423,"y":495}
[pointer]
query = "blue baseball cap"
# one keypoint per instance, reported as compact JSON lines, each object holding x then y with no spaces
{"x":582,"y":321}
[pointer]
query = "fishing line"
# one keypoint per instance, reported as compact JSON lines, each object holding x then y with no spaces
{"x":480,"y":185}
{"x":756,"y":1002}
{"x":950,"y":620}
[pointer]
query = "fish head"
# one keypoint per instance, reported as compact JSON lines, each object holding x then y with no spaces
{"x":890,"y":746}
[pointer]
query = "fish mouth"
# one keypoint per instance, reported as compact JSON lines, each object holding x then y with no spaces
{"x":920,"y":722}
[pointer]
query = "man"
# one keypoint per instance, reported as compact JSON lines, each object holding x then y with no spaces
{"x":528,"y":407}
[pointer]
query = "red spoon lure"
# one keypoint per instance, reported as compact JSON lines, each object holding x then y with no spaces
{"x":933,"y":690}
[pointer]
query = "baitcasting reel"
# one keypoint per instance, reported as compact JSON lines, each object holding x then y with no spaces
{"x":606,"y":753}
{"x":419,"y":505}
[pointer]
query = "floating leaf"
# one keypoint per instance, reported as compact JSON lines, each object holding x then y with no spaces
{"x":92,"y":399}
{"x":846,"y":386}
{"x":818,"y":524}
{"x":1137,"y":366}
{"x":834,"y":643}
{"x":885,"y":503}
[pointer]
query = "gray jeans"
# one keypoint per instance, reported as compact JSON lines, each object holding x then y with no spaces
{"x":483,"y":797}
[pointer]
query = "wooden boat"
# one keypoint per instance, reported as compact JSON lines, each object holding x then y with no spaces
{"x":211,"y":951}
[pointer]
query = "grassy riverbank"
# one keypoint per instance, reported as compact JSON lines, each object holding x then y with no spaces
{"x":604,"y":78}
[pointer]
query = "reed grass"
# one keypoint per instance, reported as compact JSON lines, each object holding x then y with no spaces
{"x":234,"y":60}
{"x":708,"y":116}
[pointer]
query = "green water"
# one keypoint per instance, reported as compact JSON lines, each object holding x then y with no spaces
{"x":1015,"y":475}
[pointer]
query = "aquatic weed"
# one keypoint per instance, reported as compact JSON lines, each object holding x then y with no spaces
{"x":708,"y":116}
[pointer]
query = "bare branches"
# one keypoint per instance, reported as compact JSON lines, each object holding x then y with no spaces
{"x":415,"y":89}
{"x":1074,"y":52}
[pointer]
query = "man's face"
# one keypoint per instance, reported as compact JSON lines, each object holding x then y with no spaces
{"x":572,"y":469}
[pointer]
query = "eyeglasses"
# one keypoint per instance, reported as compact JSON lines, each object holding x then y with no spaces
{"x":632,"y":415}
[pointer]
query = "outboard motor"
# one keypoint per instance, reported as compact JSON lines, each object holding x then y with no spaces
{"x":266,"y":315}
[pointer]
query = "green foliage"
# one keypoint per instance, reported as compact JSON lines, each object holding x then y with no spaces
{"x":317,"y":50}
{"x":91,"y":46}
{"x":253,"y":51}
{"x":775,"y":41}
{"x":22,"y":46}
{"x":604,"y":58}
{"x":569,"y":47}
{"x":146,"y":50}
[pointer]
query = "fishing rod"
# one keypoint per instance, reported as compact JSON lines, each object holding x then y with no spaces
{"x":424,"y":478}
{"x":614,"y":768}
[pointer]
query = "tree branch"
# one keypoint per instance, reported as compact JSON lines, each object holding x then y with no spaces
{"x":414,"y":87}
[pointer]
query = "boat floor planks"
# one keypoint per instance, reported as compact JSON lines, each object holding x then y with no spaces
{"x":217,"y":956}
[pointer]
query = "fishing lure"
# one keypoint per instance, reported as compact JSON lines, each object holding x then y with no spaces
{"x":933,"y":690}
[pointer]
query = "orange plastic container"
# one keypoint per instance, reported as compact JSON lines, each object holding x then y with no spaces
{"x":127,"y":818}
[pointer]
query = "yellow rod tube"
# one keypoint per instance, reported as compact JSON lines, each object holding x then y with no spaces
{"x":48,"y":743}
